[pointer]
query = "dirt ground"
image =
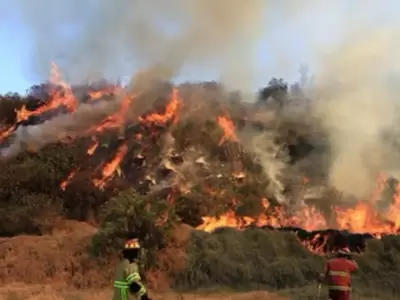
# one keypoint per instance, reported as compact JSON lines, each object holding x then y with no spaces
{"x":48,"y":292}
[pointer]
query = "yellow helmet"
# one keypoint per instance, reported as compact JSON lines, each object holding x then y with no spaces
{"x":132,"y":244}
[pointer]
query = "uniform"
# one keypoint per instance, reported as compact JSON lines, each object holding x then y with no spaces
{"x":338,"y":277}
{"x":127,"y":276}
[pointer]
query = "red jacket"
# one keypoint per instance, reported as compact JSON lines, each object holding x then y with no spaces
{"x":338,"y":273}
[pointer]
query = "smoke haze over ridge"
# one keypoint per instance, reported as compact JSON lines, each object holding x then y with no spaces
{"x":354,"y":112}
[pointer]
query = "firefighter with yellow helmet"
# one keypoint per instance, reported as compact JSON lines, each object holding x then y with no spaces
{"x":128,"y":284}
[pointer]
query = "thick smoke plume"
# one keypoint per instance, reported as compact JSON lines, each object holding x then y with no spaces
{"x":103,"y":38}
{"x":357,"y":108}
{"x":350,"y":97}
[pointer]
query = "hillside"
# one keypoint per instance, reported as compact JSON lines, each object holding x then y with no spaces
{"x":225,"y":195}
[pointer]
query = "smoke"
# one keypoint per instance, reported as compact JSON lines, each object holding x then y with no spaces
{"x":115,"y":37}
{"x":161,"y":38}
{"x":265,"y":152}
{"x":60,"y":128}
{"x":356,"y":106}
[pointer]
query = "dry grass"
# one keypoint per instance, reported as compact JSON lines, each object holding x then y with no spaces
{"x":19,"y":291}
{"x":61,"y":257}
{"x":57,"y":266}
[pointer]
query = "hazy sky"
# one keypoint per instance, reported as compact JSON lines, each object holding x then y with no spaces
{"x":283,"y":48}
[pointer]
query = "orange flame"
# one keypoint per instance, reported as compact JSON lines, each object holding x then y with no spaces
{"x":111,"y":167}
{"x":116,"y":120}
{"x":60,"y":95}
{"x":95,"y":95}
{"x":229,"y":129}
{"x":93,"y":147}
{"x":67,"y":181}
{"x":7,"y":132}
{"x":170,"y":111}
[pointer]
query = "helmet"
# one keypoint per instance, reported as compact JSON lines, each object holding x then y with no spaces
{"x":344,"y":251}
{"x":132,"y":244}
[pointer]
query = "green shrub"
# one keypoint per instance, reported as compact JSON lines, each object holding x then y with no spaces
{"x":131,"y":215}
{"x":254,"y":258}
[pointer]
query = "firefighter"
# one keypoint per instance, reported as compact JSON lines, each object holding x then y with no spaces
{"x":338,"y":275}
{"x":128,"y":284}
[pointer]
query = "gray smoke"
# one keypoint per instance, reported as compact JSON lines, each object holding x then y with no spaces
{"x":116,"y":37}
{"x":357,"y":107}
{"x":111,"y":38}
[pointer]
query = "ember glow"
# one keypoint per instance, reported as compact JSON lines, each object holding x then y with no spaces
{"x":364,"y":216}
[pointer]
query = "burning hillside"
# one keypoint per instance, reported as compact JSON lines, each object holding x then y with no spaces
{"x":217,"y":161}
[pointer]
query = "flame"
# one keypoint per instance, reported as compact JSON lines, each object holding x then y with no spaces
{"x":111,"y":167}
{"x":116,"y":120}
{"x":109,"y":90}
{"x":394,"y":210}
{"x":169,"y":114}
{"x":7,"y":132}
{"x":93,"y":147}
{"x":362,"y":217}
{"x":307,"y":218}
{"x":316,"y":244}
{"x":61,"y":95}
{"x":67,"y":181}
{"x":229,"y":129}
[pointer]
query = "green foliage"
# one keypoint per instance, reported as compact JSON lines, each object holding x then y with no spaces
{"x":254,"y":258}
{"x":30,"y":185}
{"x":29,"y":214}
{"x":131,"y":215}
{"x":262,"y":259}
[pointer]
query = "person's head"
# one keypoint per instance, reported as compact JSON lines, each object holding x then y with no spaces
{"x":131,"y":249}
{"x":344,"y":252}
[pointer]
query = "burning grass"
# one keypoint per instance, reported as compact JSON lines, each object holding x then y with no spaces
{"x":201,"y":160}
{"x":141,"y":162}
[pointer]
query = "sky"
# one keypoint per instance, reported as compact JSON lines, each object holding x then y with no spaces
{"x":282,"y":50}
{"x":13,"y":57}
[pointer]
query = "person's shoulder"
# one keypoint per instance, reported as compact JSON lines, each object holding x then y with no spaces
{"x":132,"y":266}
{"x":353,"y":263}
{"x":333,"y":259}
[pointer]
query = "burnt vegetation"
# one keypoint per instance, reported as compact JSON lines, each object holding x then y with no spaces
{"x":153,"y":190}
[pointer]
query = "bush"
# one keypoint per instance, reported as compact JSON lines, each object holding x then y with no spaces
{"x":254,"y":258}
{"x":30,"y":214}
{"x":262,"y":259}
{"x":130,"y":215}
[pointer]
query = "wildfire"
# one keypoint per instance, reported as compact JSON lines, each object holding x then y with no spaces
{"x":116,"y":120}
{"x":6,"y":132}
{"x":169,"y":114}
{"x":111,"y":167}
{"x":61,"y":95}
{"x":93,"y":147}
{"x":110,"y":90}
{"x":307,"y":218}
{"x":363,"y":217}
{"x":229,"y":129}
{"x":65,"y":183}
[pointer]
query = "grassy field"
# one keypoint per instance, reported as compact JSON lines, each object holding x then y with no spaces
{"x":48,"y":292}
{"x":198,"y":265}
